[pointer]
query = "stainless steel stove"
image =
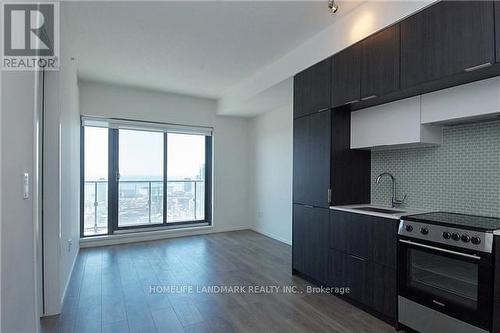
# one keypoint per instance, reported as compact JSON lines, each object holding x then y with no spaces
{"x":445,"y":272}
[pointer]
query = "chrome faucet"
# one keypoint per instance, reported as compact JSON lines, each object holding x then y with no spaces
{"x":394,"y":200}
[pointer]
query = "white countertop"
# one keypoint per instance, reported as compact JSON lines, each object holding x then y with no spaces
{"x":396,"y":215}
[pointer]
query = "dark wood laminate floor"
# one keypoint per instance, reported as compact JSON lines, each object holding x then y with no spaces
{"x":109,"y":290}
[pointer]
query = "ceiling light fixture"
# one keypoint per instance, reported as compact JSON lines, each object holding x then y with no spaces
{"x":333,"y":6}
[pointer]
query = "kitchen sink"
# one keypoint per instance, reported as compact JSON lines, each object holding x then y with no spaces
{"x":380,"y":210}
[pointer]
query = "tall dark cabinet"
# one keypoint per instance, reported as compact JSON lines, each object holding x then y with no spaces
{"x":311,"y":90}
{"x":380,"y":63}
{"x":310,"y":241}
{"x":311,"y":159}
{"x":325,"y":170}
{"x":346,"y":76}
{"x":448,"y":38}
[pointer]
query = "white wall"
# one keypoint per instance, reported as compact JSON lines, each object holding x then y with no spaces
{"x":230,"y":141}
{"x":271,"y":173}
{"x":18,"y":230}
{"x":61,"y":176}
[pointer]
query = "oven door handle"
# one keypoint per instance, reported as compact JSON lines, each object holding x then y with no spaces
{"x":472,"y":256}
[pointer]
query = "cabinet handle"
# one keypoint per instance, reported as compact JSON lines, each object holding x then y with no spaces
{"x":323,"y":110}
{"x":475,"y":68}
{"x":308,"y":206}
{"x":353,"y":101}
{"x":368,"y":97}
{"x":329,"y":195}
{"x":357,"y":258}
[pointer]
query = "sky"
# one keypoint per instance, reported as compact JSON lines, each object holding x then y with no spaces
{"x":141,"y":154}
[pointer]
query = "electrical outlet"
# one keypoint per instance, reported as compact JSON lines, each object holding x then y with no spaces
{"x":260,"y":215}
{"x":70,"y":245}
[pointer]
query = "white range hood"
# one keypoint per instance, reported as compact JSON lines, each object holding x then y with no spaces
{"x":470,"y":102}
{"x":392,"y":125}
{"x":417,"y":121}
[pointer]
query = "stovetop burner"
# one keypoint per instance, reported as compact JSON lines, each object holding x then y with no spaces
{"x":462,"y":221}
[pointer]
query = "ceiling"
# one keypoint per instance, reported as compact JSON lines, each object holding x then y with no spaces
{"x":197,"y":48}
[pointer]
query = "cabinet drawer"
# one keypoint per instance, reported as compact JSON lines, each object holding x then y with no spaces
{"x":359,"y":280}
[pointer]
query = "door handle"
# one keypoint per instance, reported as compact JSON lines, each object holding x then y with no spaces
{"x":475,"y":68}
{"x":438,"y":249}
{"x":368,"y":97}
{"x":351,"y":102}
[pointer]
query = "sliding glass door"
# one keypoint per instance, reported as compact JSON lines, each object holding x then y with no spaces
{"x":139,"y":178}
{"x":186,"y":177}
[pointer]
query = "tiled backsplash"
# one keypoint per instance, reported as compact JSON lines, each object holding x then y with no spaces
{"x":462,"y":175}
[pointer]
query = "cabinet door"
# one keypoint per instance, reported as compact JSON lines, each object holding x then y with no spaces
{"x":340,"y":223}
{"x":311,"y":159}
{"x":447,"y":38}
{"x":359,"y":235}
{"x":384,"y":291}
{"x":359,"y":280}
{"x":301,"y":215}
{"x":317,"y":242}
{"x":311,"y":89}
{"x":380,"y":63}
{"x":384,"y":241}
{"x":310,"y":241}
{"x":337,"y":262}
{"x":346,"y":76}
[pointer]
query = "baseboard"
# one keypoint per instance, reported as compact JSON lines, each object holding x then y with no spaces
{"x":271,"y":235}
{"x":153,"y":235}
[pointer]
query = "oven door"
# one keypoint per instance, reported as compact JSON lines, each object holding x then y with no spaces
{"x":453,"y":282}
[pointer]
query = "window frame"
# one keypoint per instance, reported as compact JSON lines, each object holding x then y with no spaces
{"x":113,"y":190}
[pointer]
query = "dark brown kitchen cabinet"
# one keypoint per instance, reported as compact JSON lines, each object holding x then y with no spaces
{"x":448,"y":38}
{"x":359,"y":280}
{"x":384,"y":241}
{"x":311,"y":159}
{"x":311,"y":89}
{"x":346,"y":85}
{"x":310,"y":241}
{"x":384,"y":291}
{"x":380,"y":63}
{"x":337,"y":265}
{"x":363,"y":257}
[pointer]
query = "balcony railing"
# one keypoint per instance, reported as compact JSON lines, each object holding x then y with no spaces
{"x":141,"y":203}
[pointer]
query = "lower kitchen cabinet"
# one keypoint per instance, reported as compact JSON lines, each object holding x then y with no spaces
{"x":359,"y":279}
{"x":310,"y":241}
{"x":384,"y":291}
{"x":362,"y":256}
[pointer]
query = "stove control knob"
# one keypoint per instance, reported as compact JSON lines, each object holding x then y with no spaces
{"x":424,"y":231}
{"x":409,"y":228}
{"x":446,"y":235}
{"x":455,"y":236}
{"x":475,"y":240}
{"x":465,"y":238}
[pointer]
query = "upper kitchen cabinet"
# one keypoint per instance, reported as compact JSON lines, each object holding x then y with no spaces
{"x":346,"y":76}
{"x":448,"y":38}
{"x":311,"y":89}
{"x":311,"y":159}
{"x":380,"y":63}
